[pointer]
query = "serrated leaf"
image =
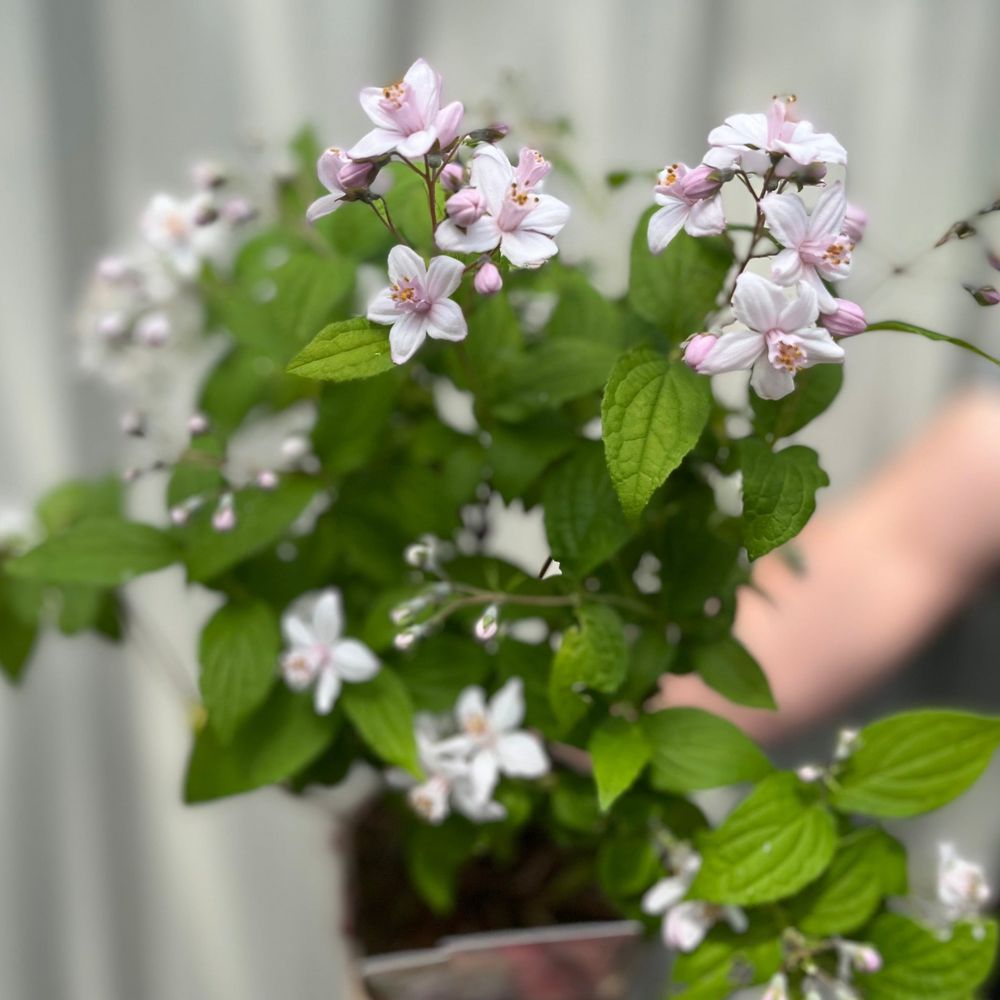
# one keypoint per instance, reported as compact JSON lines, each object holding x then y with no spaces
{"x":517,"y":456}
{"x":652,"y":415}
{"x":103,"y":551}
{"x":775,"y":842}
{"x":238,"y":652}
{"x":815,"y":389}
{"x":583,"y":519}
{"x":677,"y":289}
{"x":694,"y":749}
{"x":619,"y":751}
{"x":382,"y":713}
{"x":280,"y":739}
{"x":628,"y":864}
{"x":593,"y":656}
{"x":779,"y":493}
{"x":914,"y":762}
{"x":351,"y":349}
{"x":919,"y":963}
{"x":728,"y":668}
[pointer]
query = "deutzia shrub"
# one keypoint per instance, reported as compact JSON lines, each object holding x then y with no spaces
{"x":316,"y":487}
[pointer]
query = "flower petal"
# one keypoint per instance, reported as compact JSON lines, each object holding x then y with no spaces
{"x":787,"y":267}
{"x":471,"y":706}
{"x":506,"y":711}
{"x":406,"y":336}
{"x":448,"y":121}
{"x":522,"y":755}
{"x":706,"y":217}
{"x":375,"y":143}
{"x":740,"y":130}
{"x":327,"y":691}
{"x":444,"y":275}
{"x":527,"y":249}
{"x":801,"y":312}
{"x":492,"y":173}
{"x":406,"y":265}
{"x":425,"y":89}
{"x":666,"y":223}
{"x":820,"y":347}
{"x":827,"y":217}
{"x":481,"y":237}
{"x":328,"y":617}
{"x":483,"y":775}
{"x":297,"y":632}
{"x":686,"y":925}
{"x":770,"y":382}
{"x":354,"y":661}
{"x":417,"y":143}
{"x":446,"y":321}
{"x":664,"y":894}
{"x":382,"y":308}
{"x":323,"y":206}
{"x":758,"y":302}
{"x":548,"y":216}
{"x":734,"y":351}
{"x":371,"y":101}
{"x":827,"y":303}
{"x":787,"y":218}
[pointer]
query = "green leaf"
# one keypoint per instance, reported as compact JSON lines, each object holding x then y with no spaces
{"x":779,"y":493}
{"x":593,"y":655}
{"x":847,"y":894}
{"x":728,"y":668}
{"x":677,"y":290}
{"x":627,"y":864}
{"x":262,"y":517}
{"x":583,"y":519}
{"x":76,"y":499}
{"x":815,"y":389}
{"x":619,"y":751}
{"x":434,"y":859}
{"x":653,"y":414}
{"x":440,"y":667}
{"x":899,"y":327}
{"x":918,"y":963}
{"x":351,"y":349}
{"x":19,"y":606}
{"x":382,"y":713}
{"x":914,"y":762}
{"x":238,"y":653}
{"x":694,"y":749}
{"x":518,"y":455}
{"x":776,"y":841}
{"x":104,"y":551}
{"x":280,"y":739}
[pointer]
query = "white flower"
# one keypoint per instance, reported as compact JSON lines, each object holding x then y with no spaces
{"x":417,"y":302}
{"x":518,"y":218}
{"x":777,"y":988}
{"x":853,"y":956}
{"x":691,"y":198}
{"x":961,"y":885}
{"x":317,"y":653}
{"x":816,"y":245}
{"x":187,"y":233}
{"x":780,"y":339}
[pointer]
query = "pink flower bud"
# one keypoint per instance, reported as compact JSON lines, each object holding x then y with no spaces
{"x":197,"y":424}
{"x":466,"y":207}
{"x":179,"y":515}
{"x":855,"y":222}
{"x":113,"y":269}
{"x":985,"y":295}
{"x":355,"y":176}
{"x":238,"y":210}
{"x":532,"y":168}
{"x":153,"y":330}
{"x":488,"y":280}
{"x":698,"y":348}
{"x":112,"y":325}
{"x":452,"y":177}
{"x":224,"y":517}
{"x":701,"y":182}
{"x":846,"y":320}
{"x":267,"y":480}
{"x":208,"y":175}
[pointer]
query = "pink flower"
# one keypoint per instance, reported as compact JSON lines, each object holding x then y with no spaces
{"x":855,"y":222}
{"x":698,"y":348}
{"x":748,"y":140}
{"x":417,"y":303}
{"x":816,"y":245}
{"x":408,"y":116}
{"x":690,"y":198}
{"x":466,"y":208}
{"x":452,"y":177}
{"x":846,"y":320}
{"x":341,"y":176}
{"x":488,"y":280}
{"x":780,"y":339}
{"x":518,"y":219}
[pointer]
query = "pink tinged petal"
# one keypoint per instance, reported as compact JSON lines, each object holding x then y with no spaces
{"x":664,"y":894}
{"x":734,"y":351}
{"x":444,"y":275}
{"x":492,"y":173}
{"x":448,"y":121}
{"x":527,"y":249}
{"x":405,"y":263}
{"x":471,"y":707}
{"x":507,"y":706}
{"x":800,"y":312}
{"x":425,"y":89}
{"x":375,"y":143}
{"x":827,"y":219}
{"x":382,"y":308}
{"x":698,"y":348}
{"x":354,"y":661}
{"x":706,"y":218}
{"x":296,"y":631}
{"x":770,"y":382}
{"x":522,"y":755}
{"x":666,"y":223}
{"x":846,"y":320}
{"x":371,"y":102}
{"x":820,"y":347}
{"x":323,"y":206}
{"x":480,"y":237}
{"x":327,"y":691}
{"x":430,"y":800}
{"x":758,"y":302}
{"x":721,"y":158}
{"x":806,"y":146}
{"x":855,"y":222}
{"x":786,"y":218}
{"x":827,"y":303}
{"x":328,"y":167}
{"x":740,"y":130}
{"x":328,"y":618}
{"x":787,"y":267}
{"x":484,"y":773}
{"x":406,"y":336}
{"x":417,"y":143}
{"x":548,"y":216}
{"x":446,"y":321}
{"x":686,"y":925}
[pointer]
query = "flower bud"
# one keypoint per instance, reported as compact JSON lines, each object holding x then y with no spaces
{"x":847,"y":741}
{"x":465,"y":207}
{"x":698,"y":348}
{"x":355,"y":176}
{"x":855,"y":222}
{"x":179,"y":515}
{"x":224,"y":517}
{"x":488,"y":280}
{"x":701,"y":182}
{"x":208,"y":175}
{"x":408,"y":637}
{"x":113,"y":269}
{"x":985,"y":295}
{"x":153,"y":330}
{"x":452,"y":177}
{"x":492,"y":133}
{"x":488,"y":624}
{"x":197,"y":424}
{"x":846,"y":320}
{"x":238,"y":210}
{"x":809,"y":773}
{"x":266,"y":479}
{"x":112,"y":325}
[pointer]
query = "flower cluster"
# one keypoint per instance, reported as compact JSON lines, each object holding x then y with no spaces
{"x":495,"y":211}
{"x":778,"y":334}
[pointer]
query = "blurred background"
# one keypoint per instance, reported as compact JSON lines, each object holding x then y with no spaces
{"x":109,"y":888}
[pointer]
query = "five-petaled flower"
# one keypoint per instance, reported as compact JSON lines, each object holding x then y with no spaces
{"x":186,"y":233}
{"x":780,"y":337}
{"x":690,"y":198}
{"x":515,"y":216}
{"x":317,"y":654}
{"x":417,"y":302}
{"x":408,"y":116}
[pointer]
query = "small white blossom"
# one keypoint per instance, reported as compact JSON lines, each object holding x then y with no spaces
{"x":961,"y":885}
